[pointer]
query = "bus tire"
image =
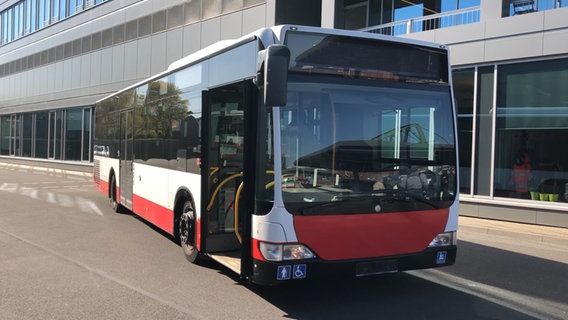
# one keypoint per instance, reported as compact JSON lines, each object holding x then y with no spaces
{"x":116,"y":207}
{"x":186,"y":232}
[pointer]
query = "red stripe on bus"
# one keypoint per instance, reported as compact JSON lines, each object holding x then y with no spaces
{"x":154,"y":213}
{"x":198,"y":234}
{"x":256,"y":254}
{"x":339,"y":237}
{"x":102,"y":186}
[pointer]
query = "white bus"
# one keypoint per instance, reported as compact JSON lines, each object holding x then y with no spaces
{"x":292,"y":153}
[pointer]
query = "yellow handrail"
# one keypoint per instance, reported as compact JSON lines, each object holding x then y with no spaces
{"x":237,"y":196}
{"x":235,"y":175}
{"x":213,"y":170}
{"x":236,"y":210}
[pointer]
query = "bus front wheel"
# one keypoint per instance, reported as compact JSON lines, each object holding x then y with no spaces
{"x":187,"y":232}
{"x":117,"y":207}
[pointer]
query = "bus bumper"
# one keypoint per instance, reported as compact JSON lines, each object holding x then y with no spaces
{"x":274,"y":273}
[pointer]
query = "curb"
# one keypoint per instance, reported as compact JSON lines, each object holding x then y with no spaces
{"x":534,"y":233}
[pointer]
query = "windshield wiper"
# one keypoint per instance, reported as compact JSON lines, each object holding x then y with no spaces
{"x":426,"y":81}
{"x":338,"y":200}
{"x":419,"y":197}
{"x":355,"y":196}
{"x":397,"y":194}
{"x":394,"y":195}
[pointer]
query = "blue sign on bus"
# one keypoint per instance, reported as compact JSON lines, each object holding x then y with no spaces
{"x":283,"y":273}
{"x":299,"y":271}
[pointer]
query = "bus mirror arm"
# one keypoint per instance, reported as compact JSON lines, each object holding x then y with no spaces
{"x":273,"y":74}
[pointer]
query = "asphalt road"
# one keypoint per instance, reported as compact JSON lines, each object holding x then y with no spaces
{"x":64,"y":254}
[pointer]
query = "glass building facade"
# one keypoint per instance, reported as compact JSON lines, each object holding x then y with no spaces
{"x":64,"y":134}
{"x":512,"y":120}
{"x":28,"y":16}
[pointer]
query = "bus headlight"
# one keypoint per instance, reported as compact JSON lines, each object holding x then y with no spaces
{"x":444,"y":239}
{"x":296,"y":252}
{"x":280,"y":252}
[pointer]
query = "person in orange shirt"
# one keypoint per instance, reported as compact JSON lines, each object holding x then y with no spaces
{"x":522,"y":173}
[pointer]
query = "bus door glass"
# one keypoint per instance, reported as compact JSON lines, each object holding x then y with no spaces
{"x":126,"y":146}
{"x":224,"y":166}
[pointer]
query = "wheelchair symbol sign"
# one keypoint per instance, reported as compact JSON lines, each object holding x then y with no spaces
{"x":441,"y":257}
{"x":299,"y":271}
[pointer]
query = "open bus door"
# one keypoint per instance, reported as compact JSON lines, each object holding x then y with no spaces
{"x":229,"y":139}
{"x":228,"y":148}
{"x":126,"y":157}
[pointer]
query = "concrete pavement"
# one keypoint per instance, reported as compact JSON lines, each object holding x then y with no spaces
{"x":539,"y":241}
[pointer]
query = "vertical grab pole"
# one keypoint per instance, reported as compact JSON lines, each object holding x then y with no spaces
{"x":278,"y":201}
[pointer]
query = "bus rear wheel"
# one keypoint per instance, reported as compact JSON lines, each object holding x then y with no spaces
{"x":186,"y":231}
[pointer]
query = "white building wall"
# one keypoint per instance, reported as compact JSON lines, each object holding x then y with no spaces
{"x":82,"y":79}
{"x":497,"y":39}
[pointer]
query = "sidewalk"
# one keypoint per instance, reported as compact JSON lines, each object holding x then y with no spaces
{"x":541,"y":241}
{"x":42,"y":164}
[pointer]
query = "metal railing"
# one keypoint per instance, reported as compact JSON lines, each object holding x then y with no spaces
{"x":429,"y":22}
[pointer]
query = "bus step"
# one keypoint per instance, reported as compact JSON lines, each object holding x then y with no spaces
{"x":231,"y":260}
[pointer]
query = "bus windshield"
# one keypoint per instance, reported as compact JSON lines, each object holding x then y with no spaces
{"x":358,"y":148}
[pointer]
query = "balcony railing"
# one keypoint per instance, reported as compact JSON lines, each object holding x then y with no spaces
{"x":429,"y":22}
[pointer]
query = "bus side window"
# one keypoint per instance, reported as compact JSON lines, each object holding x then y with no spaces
{"x":192,"y":133}
{"x":188,"y":146}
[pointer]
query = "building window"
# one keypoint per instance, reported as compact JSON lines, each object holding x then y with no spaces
{"x":463,"y":81}
{"x":27,"y":135}
{"x":27,"y":16}
{"x":18,"y":20}
{"x":73,"y":130}
{"x":55,"y":134}
{"x":59,"y":134}
{"x":63,"y":9}
{"x":518,"y":7}
{"x":31,"y":16}
{"x":86,"y":134}
{"x":356,"y":14}
{"x":7,"y":26}
{"x":5,"y":135}
{"x":483,"y":131}
{"x":532,"y":115}
{"x":41,"y":130}
{"x":44,"y":13}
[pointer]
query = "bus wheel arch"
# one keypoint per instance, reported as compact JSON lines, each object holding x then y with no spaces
{"x":185,"y":224}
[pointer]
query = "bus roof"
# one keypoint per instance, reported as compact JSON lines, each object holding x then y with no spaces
{"x":276,"y":34}
{"x":268,"y":36}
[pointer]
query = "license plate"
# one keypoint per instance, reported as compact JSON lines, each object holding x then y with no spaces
{"x":376,"y":267}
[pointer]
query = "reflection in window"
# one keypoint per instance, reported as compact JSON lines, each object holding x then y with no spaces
{"x":4,"y":135}
{"x":463,"y":81}
{"x":31,"y":16}
{"x":41,"y":130}
{"x":532,"y":113}
{"x":73,"y":127}
{"x":518,"y":7}
{"x":356,"y":15}
{"x":28,"y":16}
{"x":27,"y":135}
{"x":483,"y":129}
{"x":338,"y":140}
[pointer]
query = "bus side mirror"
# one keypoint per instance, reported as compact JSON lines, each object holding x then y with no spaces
{"x":275,"y":60}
